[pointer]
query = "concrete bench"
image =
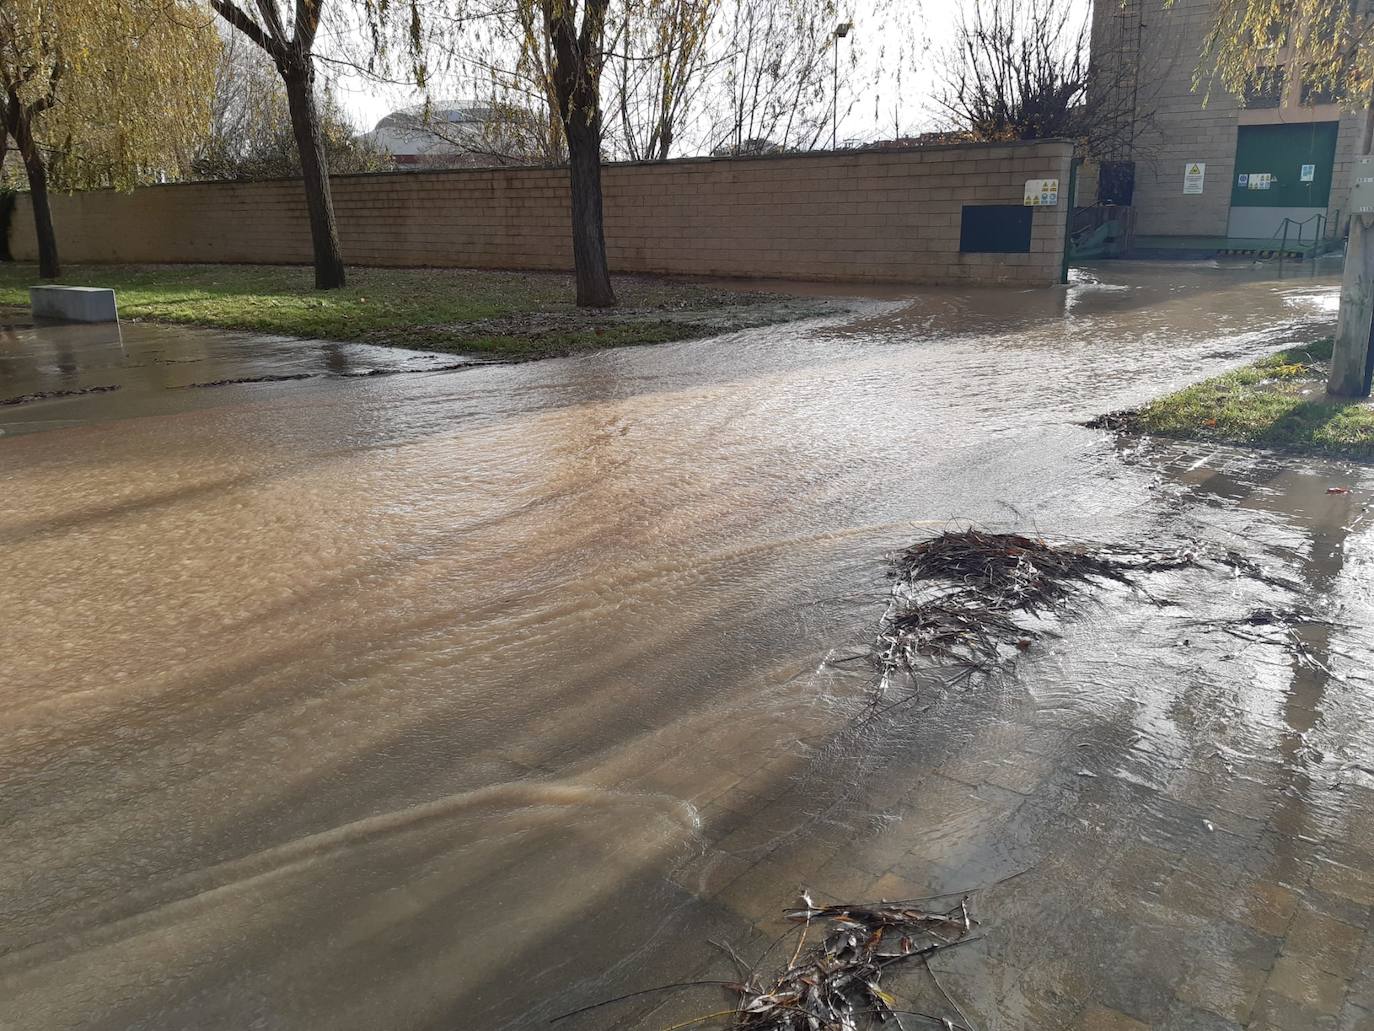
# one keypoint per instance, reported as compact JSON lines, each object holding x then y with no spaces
{"x":73,"y":303}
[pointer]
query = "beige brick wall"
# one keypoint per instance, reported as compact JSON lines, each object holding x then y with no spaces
{"x":1180,"y":125}
{"x":878,"y":216}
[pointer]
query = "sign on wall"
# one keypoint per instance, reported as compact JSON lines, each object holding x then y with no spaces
{"x":1362,"y":195}
{"x":1309,"y":172}
{"x":1261,"y":180}
{"x":1194,"y":173}
{"x":1243,"y":181}
{"x":1042,"y":193}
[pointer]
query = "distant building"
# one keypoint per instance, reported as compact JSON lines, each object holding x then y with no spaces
{"x":1219,"y":169}
{"x":750,"y":148}
{"x":445,"y":137}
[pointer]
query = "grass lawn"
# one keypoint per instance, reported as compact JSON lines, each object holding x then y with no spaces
{"x":1278,"y":402}
{"x":512,"y":315}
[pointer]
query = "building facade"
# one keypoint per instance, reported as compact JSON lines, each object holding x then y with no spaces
{"x":1203,"y":162}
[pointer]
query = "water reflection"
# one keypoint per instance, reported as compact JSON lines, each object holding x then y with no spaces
{"x":1321,"y":524}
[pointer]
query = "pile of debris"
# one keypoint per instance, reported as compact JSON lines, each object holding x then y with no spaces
{"x":1126,"y":420}
{"x":971,"y":598}
{"x":833,"y":980}
{"x":834,"y":985}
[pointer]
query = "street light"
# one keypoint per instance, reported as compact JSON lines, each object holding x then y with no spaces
{"x":841,"y":30}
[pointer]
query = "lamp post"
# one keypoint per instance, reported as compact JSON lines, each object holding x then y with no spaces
{"x":841,"y":30}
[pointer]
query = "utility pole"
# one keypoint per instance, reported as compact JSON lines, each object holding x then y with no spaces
{"x":1352,"y":359}
{"x":841,"y":30}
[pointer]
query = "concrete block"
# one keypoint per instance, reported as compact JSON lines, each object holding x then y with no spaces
{"x":73,"y":303}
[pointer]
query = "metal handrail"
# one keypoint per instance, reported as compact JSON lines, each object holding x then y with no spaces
{"x":1319,"y":218}
{"x":1321,"y":221}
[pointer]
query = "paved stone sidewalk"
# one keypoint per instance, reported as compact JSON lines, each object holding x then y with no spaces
{"x":1176,"y":826}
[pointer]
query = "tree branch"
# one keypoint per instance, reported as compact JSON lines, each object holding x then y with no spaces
{"x":307,"y":23}
{"x":241,"y":20}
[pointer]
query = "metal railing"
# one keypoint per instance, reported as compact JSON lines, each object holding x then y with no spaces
{"x":1320,"y":244}
{"x":1290,"y":223}
{"x":1086,"y":221}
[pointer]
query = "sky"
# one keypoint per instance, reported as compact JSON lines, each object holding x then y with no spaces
{"x":899,"y":44}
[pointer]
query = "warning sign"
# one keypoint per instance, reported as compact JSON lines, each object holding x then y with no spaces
{"x":1261,"y":180}
{"x":1194,"y":173}
{"x":1309,"y":172}
{"x":1042,"y":193}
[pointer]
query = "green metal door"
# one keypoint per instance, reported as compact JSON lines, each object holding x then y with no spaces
{"x":1276,"y":155}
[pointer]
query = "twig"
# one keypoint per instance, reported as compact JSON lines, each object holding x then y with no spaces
{"x":735,"y":957}
{"x":633,"y":995}
{"x":948,"y":998}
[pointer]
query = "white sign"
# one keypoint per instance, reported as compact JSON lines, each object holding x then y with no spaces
{"x":1042,"y":192}
{"x":1309,"y":172}
{"x":1242,"y":181}
{"x":1261,"y":180}
{"x":1193,"y":175}
{"x":1362,"y":196}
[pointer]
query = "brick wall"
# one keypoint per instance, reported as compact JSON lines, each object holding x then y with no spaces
{"x":1179,"y":124}
{"x":878,"y":215}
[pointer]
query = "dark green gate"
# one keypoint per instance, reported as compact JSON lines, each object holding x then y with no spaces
{"x":1281,"y":166}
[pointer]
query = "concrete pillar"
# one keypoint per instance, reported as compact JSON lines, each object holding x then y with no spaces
{"x":1353,"y":357}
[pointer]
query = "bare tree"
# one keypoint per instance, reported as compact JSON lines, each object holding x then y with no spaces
{"x":289,"y":39}
{"x":656,"y":66}
{"x":291,"y":48}
{"x":250,"y":129}
{"x":558,"y":50}
{"x":777,"y":85}
{"x":783,"y":78}
{"x":575,"y":84}
{"x":1019,"y":71}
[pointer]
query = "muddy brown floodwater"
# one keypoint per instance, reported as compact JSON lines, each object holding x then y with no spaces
{"x":457,"y":700}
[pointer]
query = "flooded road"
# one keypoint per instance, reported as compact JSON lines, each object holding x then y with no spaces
{"x":463,"y":699}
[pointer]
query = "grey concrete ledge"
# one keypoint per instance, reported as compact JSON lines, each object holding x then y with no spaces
{"x":73,"y":303}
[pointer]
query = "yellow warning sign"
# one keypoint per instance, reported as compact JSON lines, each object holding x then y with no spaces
{"x":1194,"y":175}
{"x":1041,"y":192}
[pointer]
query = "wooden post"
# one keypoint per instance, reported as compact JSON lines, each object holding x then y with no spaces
{"x":1352,"y":359}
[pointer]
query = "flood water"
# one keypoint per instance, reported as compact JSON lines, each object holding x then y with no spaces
{"x":461,"y":699}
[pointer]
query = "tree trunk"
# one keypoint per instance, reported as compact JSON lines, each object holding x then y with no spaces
{"x":21,"y":130}
{"x":576,"y":90}
{"x":6,"y":201}
{"x":17,"y":120}
{"x":48,"y":267}
{"x":305,"y":123}
{"x":588,"y":238}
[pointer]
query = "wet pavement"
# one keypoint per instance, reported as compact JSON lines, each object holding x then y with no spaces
{"x":466,"y":698}
{"x":45,"y":367}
